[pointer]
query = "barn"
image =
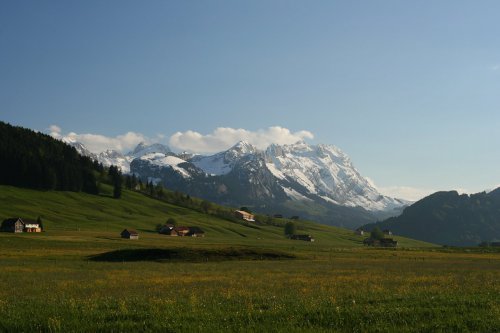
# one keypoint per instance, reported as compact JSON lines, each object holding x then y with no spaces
{"x":130,"y":234}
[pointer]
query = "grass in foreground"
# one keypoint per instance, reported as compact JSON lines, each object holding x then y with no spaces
{"x":50,"y":285}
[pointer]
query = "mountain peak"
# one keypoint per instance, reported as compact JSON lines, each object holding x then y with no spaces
{"x":110,"y":153}
{"x":139,"y":147}
{"x":144,"y":148}
{"x":80,"y":148}
{"x":243,"y":147}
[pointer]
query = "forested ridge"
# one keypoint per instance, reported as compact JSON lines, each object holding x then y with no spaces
{"x":449,"y":218}
{"x":35,"y":160}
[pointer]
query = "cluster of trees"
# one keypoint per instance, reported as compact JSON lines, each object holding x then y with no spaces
{"x":132,"y":182}
{"x":290,"y":229}
{"x":115,"y":176}
{"x":34,"y":160}
{"x":177,"y":198}
{"x":377,"y":234}
{"x":170,"y":221}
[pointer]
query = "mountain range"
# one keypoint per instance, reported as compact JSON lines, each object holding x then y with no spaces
{"x":314,"y":181}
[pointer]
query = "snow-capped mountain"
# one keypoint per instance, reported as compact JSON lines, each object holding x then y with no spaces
{"x":122,"y":161}
{"x":143,"y":149}
{"x":112,"y":157}
{"x":222,"y":163}
{"x":281,"y":177}
{"x":324,"y":170}
{"x":81,"y":149}
{"x":305,"y":172}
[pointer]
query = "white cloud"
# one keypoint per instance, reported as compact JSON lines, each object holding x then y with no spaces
{"x":495,"y":67}
{"x":97,"y":143}
{"x":220,"y":139}
{"x":55,"y":131}
{"x":224,"y":137}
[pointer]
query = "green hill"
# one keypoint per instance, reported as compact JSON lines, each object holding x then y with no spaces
{"x":81,"y":216}
{"x":450,"y":219}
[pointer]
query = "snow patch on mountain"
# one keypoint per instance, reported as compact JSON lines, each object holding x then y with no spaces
{"x":161,"y":160}
{"x":214,"y":165}
{"x":276,"y":173}
{"x":112,"y":157}
{"x":291,"y":193}
{"x":223,"y":163}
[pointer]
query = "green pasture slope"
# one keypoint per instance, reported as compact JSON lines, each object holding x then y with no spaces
{"x":50,"y":282}
{"x":72,"y":214}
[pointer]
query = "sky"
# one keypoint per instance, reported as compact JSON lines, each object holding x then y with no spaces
{"x":410,"y":90}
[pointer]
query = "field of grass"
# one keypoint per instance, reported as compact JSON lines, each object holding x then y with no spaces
{"x":80,"y":213}
{"x":51,"y":282}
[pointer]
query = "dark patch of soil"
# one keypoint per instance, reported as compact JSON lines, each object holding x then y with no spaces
{"x":190,"y":254}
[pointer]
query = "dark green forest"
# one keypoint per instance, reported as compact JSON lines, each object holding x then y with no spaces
{"x":35,"y":160}
{"x":449,"y":218}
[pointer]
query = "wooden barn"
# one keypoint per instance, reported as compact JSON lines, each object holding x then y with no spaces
{"x":182,"y":231}
{"x":241,"y":214}
{"x":169,"y":230}
{"x":130,"y":234}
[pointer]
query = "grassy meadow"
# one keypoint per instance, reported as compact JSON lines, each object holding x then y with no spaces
{"x":49,"y":282}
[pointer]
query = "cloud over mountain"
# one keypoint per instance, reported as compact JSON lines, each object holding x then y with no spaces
{"x":97,"y":143}
{"x":220,"y":139}
{"x":224,"y":137}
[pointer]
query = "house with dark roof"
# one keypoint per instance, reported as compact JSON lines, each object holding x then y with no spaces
{"x":130,"y":234}
{"x":196,"y":232}
{"x":359,"y":232}
{"x":17,"y":225}
{"x":169,"y":230}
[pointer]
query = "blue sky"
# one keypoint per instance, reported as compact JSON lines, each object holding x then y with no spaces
{"x":410,"y":90}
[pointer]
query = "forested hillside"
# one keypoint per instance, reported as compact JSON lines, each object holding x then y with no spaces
{"x":34,"y":160}
{"x":450,"y":219}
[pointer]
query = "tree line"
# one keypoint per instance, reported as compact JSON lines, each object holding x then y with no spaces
{"x":35,"y":160}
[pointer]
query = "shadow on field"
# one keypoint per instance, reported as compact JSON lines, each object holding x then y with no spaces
{"x":189,"y":254}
